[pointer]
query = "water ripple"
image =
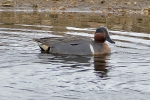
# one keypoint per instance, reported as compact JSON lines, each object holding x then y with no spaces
{"x":35,"y":75}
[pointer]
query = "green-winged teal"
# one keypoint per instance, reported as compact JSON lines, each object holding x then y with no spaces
{"x":77,"y":45}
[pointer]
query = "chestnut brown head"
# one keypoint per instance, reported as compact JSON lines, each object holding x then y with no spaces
{"x":101,"y":35}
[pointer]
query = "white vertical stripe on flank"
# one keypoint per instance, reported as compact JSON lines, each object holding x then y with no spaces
{"x":92,"y":49}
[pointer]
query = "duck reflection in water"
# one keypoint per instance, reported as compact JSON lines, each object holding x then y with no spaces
{"x":100,"y":65}
{"x":98,"y":62}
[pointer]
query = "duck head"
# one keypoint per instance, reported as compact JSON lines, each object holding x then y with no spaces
{"x":101,"y":35}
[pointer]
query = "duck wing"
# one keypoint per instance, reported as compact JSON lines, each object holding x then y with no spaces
{"x":66,"y":45}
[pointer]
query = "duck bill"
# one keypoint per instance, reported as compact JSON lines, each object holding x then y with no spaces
{"x":108,"y":37}
{"x":109,"y":40}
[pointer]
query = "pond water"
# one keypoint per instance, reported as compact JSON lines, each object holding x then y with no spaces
{"x":28,"y":74}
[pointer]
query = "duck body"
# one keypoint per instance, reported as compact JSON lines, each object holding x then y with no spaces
{"x":77,"y":45}
{"x":72,"y":46}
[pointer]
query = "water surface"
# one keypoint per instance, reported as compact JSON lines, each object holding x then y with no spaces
{"x":28,"y":74}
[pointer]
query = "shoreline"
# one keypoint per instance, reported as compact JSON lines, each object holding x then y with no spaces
{"x":97,"y":6}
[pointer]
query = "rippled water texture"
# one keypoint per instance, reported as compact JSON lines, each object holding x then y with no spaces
{"x":28,"y":74}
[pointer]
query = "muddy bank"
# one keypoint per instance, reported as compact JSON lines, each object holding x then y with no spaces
{"x":104,"y":6}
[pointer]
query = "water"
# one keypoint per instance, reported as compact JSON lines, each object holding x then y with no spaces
{"x":28,"y":74}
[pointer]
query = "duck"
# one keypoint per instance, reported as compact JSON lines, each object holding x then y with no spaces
{"x":77,"y":45}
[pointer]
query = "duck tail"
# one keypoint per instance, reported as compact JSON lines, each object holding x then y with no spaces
{"x":43,"y":47}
